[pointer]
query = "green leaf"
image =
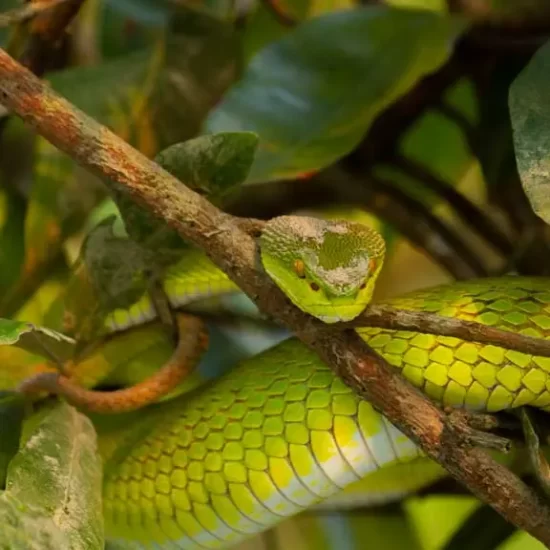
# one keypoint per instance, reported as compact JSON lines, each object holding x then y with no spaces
{"x":436,"y":517}
{"x":530,"y":112}
{"x":54,"y":482}
{"x":213,"y":165}
{"x":24,"y":528}
{"x":39,"y":340}
{"x":311,"y":99}
{"x":118,"y":268}
{"x":110,"y":273}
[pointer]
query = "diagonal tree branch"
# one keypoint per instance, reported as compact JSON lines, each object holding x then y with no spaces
{"x":235,"y":252}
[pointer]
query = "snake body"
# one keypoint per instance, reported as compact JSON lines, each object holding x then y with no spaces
{"x":280,"y":433}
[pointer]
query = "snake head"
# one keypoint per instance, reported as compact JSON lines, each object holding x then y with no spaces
{"x":327,"y":268}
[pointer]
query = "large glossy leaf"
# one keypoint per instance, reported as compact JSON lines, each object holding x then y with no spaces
{"x":530,"y":112}
{"x":311,"y":98}
{"x":53,"y":489}
{"x":266,"y":25}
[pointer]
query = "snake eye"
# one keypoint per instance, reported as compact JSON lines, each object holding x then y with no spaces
{"x":314,"y":286}
{"x":372,"y":265}
{"x":300,"y":268}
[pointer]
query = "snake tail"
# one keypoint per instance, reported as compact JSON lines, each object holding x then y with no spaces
{"x":192,"y":341}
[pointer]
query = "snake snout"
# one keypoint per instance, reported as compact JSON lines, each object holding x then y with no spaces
{"x":345,"y":291}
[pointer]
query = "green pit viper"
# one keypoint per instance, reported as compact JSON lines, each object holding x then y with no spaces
{"x":281,"y":433}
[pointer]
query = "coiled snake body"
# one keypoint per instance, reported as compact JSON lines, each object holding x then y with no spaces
{"x":280,"y":432}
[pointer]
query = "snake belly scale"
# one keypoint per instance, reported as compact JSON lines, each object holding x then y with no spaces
{"x":280,"y":433}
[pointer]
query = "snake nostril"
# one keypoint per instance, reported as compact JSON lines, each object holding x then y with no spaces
{"x":314,"y":286}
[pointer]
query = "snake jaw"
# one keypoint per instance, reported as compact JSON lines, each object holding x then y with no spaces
{"x":329,"y":270}
{"x":336,"y":309}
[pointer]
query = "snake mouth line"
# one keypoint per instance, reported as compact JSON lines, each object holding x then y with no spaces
{"x":332,"y":313}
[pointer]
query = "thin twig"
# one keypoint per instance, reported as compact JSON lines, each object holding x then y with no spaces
{"x":235,"y":252}
{"x":440,"y":228}
{"x":480,"y":438}
{"x":477,"y":219}
{"x":384,"y":316}
{"x":452,"y":113}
